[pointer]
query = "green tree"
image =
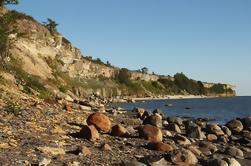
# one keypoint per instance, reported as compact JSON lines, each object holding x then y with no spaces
{"x":123,"y":77}
{"x":7,"y":2}
{"x":51,"y":25}
{"x":144,"y":70}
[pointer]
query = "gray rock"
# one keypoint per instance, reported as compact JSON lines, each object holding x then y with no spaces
{"x":217,"y":162}
{"x":173,"y":127}
{"x":234,"y":152}
{"x":177,"y":120}
{"x":226,"y":130}
{"x":235,"y":126}
{"x":247,"y":122}
{"x":195,"y":132}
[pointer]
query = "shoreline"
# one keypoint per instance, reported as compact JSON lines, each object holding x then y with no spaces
{"x":173,"y":97}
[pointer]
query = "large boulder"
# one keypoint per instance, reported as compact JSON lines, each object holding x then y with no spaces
{"x":100,"y":121}
{"x":154,"y":120}
{"x":90,"y":133}
{"x":184,"y":156}
{"x":160,"y":146}
{"x":150,"y":133}
{"x":235,"y":126}
{"x":119,"y":131}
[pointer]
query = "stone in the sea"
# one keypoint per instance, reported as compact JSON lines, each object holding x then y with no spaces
{"x":119,"y":131}
{"x":100,"y":121}
{"x":150,"y":133}
{"x":89,"y":132}
{"x":154,"y":120}
{"x":160,"y":146}
{"x":235,"y":126}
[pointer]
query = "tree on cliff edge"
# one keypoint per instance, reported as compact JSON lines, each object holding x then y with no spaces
{"x":6,"y":2}
{"x":51,"y":25}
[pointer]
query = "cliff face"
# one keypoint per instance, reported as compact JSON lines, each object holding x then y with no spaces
{"x":52,"y":59}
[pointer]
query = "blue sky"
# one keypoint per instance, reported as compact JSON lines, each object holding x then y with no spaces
{"x":207,"y":40}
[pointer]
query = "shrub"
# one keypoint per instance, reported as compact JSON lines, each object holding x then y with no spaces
{"x":123,"y":77}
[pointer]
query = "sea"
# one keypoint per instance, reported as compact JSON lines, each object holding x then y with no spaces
{"x":219,"y":110}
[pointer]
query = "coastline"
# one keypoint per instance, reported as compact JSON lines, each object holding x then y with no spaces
{"x":173,"y":97}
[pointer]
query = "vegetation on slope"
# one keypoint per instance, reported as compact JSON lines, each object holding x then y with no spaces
{"x":120,"y":84}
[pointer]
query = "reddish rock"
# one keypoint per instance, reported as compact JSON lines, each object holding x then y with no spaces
{"x":140,"y":112}
{"x":85,"y":151}
{"x":100,"y":121}
{"x":119,"y":131}
{"x":211,"y":137}
{"x":150,"y":133}
{"x":90,"y":133}
{"x":160,"y":146}
{"x":68,"y":107}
